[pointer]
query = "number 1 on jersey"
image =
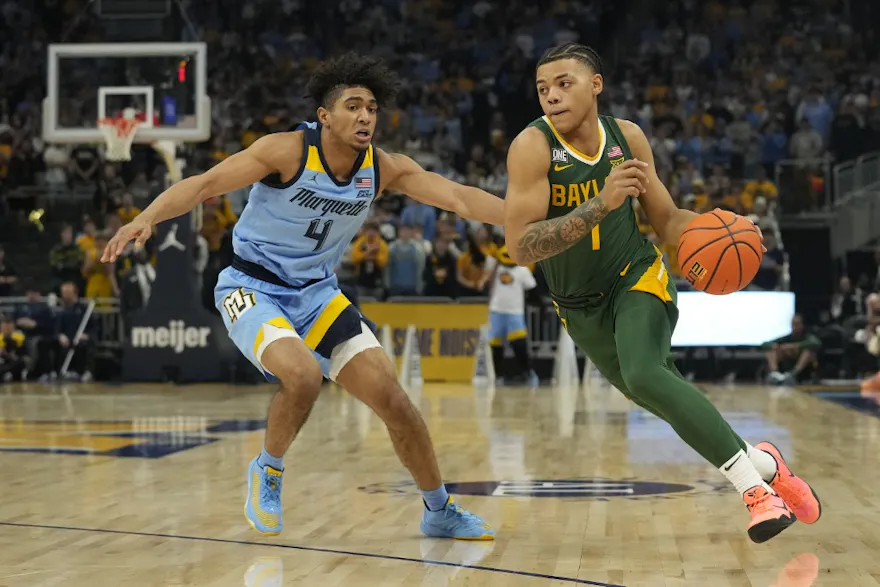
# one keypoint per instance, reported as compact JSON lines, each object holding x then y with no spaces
{"x":594,"y":235}
{"x":321,"y":236}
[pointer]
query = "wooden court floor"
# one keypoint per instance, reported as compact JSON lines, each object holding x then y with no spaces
{"x":144,"y":486}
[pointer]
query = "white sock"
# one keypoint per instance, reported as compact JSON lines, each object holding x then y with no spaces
{"x":740,"y":471}
{"x":763,"y":461}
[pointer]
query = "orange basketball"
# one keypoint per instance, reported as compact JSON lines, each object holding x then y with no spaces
{"x":719,"y":252}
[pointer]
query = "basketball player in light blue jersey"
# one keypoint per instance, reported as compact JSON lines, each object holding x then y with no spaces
{"x":280,"y":300}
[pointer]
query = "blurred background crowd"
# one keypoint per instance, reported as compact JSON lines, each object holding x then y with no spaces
{"x":747,"y":104}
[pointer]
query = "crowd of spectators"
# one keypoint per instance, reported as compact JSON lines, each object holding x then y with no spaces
{"x":37,"y":336}
{"x":842,"y":342}
{"x":728,"y":93}
{"x":854,"y":316}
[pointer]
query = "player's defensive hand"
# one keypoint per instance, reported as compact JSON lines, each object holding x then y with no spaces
{"x":138,"y":230}
{"x":627,"y":179}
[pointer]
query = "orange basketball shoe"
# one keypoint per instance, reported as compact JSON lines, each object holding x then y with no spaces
{"x":799,"y":496}
{"x":770,"y":515}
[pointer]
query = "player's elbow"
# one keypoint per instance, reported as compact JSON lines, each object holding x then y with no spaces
{"x":513,"y":249}
{"x":515,"y":257}
{"x":204,"y":186}
{"x":459,"y":201}
{"x":670,"y":225}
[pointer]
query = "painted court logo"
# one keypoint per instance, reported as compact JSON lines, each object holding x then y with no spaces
{"x":149,"y":438}
{"x":594,"y":489}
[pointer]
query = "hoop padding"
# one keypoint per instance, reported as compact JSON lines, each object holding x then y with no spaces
{"x":118,"y":135}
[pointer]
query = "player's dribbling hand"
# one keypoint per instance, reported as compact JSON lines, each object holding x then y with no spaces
{"x":137,"y":229}
{"x":758,"y":228}
{"x":627,"y":179}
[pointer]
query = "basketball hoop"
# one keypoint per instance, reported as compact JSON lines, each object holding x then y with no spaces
{"x":118,"y":135}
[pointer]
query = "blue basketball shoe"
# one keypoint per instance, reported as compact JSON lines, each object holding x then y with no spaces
{"x":453,"y":521}
{"x":263,"y":506}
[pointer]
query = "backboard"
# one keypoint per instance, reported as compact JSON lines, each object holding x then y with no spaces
{"x":86,"y":82}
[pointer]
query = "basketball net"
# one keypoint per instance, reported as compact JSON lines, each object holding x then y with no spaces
{"x":118,"y":134}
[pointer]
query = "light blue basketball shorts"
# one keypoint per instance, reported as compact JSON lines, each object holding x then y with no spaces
{"x":506,"y":327}
{"x":258,"y":313}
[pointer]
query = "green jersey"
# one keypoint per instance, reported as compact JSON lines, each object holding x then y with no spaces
{"x":592,"y":265}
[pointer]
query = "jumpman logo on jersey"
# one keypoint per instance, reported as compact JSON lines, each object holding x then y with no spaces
{"x":171,"y":240}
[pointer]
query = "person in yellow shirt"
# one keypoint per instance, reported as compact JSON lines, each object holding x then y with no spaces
{"x":761,"y":186}
{"x":13,"y":351}
{"x":737,"y":199}
{"x":369,"y":255}
{"x":86,"y":240}
{"x":228,"y":216}
{"x":222,"y":210}
{"x":730,"y":200}
{"x":474,"y":268}
{"x":657,"y":91}
{"x":702,"y":120}
{"x":128,"y":210}
{"x":212,"y":231}
{"x":249,"y":137}
{"x":701,"y":198}
{"x":100,"y":277}
{"x":484,"y":239}
{"x":5,"y":156}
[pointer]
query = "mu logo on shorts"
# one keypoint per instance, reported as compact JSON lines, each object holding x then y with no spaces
{"x":696,"y":273}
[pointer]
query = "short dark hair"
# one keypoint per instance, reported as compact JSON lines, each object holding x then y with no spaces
{"x":352,"y":70}
{"x":586,"y":55}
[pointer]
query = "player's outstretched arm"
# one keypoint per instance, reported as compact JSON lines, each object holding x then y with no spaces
{"x":406,"y":176}
{"x":667,"y":219}
{"x":267,"y":155}
{"x":530,"y":235}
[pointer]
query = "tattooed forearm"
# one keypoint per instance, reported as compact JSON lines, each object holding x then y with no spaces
{"x":550,"y":237}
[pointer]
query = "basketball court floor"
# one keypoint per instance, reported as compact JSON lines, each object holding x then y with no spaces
{"x":144,"y":486}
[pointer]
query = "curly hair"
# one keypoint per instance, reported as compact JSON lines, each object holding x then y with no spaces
{"x":352,"y":70}
{"x":586,"y":55}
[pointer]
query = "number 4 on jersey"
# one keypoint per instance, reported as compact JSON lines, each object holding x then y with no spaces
{"x":321,"y":236}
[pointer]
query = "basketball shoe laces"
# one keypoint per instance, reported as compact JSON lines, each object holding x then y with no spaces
{"x":459,"y":512}
{"x":270,"y":492}
{"x":758,"y":500}
{"x":798,"y":493}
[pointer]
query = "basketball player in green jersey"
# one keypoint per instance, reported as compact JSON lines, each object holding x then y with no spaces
{"x":572,"y":178}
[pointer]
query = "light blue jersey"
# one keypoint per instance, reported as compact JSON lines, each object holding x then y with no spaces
{"x":287,"y":243}
{"x":299,"y":230}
